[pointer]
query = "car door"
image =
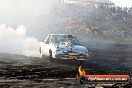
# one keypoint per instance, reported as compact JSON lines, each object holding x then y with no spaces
{"x":45,"y":46}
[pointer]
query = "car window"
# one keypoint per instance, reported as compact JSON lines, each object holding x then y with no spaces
{"x":58,"y":38}
{"x":63,"y":39}
{"x":75,"y":41}
{"x":47,"y":40}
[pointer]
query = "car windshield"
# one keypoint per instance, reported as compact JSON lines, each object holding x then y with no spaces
{"x":63,"y":39}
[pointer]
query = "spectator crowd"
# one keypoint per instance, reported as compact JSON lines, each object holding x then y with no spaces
{"x":103,"y":21}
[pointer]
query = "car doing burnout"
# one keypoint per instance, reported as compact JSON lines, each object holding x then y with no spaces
{"x":63,"y":46}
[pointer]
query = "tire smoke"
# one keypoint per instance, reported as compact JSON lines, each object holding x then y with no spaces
{"x":15,"y":41}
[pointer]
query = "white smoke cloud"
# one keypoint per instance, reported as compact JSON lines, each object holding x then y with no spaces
{"x":15,"y":41}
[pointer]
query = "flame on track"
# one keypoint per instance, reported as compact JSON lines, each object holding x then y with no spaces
{"x":81,"y":71}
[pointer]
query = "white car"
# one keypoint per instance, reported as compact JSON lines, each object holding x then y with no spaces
{"x":63,"y":46}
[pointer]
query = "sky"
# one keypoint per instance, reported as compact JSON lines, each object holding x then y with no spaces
{"x":123,"y":3}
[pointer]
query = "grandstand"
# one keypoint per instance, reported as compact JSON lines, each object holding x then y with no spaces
{"x":88,"y":19}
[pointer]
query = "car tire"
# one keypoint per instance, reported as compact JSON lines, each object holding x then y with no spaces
{"x":51,"y":59}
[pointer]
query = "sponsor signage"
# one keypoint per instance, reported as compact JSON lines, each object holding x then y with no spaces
{"x":107,"y":78}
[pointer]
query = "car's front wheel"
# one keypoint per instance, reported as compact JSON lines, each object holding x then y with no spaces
{"x":51,"y":59}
